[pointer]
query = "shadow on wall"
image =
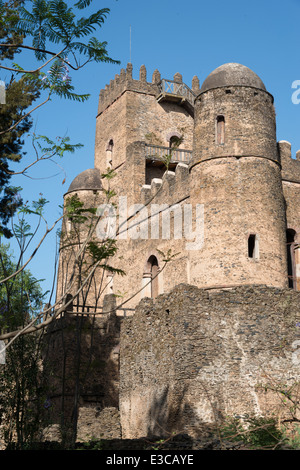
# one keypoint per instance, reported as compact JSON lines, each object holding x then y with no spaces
{"x":170,"y":415}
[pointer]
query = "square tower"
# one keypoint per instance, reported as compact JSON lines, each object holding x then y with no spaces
{"x":138,"y":122}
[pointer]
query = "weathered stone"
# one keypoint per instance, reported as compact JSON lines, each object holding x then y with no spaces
{"x":201,"y":356}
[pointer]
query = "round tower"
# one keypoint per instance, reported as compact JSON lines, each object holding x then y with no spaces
{"x":235,"y":173}
{"x":84,"y":193}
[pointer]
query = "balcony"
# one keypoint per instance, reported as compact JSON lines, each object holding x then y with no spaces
{"x":159,"y":154}
{"x":176,"y":92}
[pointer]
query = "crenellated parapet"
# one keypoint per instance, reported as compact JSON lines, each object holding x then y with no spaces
{"x":171,"y":189}
{"x":290,"y":167}
{"x":125,"y":82}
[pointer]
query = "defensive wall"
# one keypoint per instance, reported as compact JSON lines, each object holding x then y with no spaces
{"x":193,"y":357}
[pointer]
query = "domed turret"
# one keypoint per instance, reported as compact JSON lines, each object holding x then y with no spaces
{"x":232,"y":74}
{"x":87,"y":180}
{"x":87,"y":187}
{"x":233,"y":106}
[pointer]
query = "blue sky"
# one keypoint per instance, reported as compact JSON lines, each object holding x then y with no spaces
{"x":190,"y":37}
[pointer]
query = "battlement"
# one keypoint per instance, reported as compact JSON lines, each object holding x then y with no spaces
{"x":290,"y":166}
{"x":172,"y":188}
{"x":158,"y":87}
{"x":285,"y":149}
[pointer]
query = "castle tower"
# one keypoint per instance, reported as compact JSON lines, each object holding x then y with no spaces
{"x":137,"y":121}
{"x":235,"y":173}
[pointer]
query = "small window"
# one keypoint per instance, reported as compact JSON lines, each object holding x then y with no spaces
{"x":109,"y":284}
{"x":153,"y":269}
{"x":220,"y":130}
{"x":110,"y":145}
{"x":252,"y":246}
{"x":109,"y":153}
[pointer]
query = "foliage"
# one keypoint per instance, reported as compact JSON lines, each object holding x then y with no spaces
{"x":57,"y":37}
{"x":61,"y":42}
{"x":20,"y":94}
{"x":93,"y":444}
{"x":8,"y":32}
{"x":83,"y":221}
{"x":255,"y":432}
{"x":20,"y":296}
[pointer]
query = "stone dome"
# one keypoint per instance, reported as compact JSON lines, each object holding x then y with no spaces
{"x":87,"y":180}
{"x":232,"y":74}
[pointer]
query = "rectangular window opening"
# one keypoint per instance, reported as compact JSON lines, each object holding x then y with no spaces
{"x":253,"y":246}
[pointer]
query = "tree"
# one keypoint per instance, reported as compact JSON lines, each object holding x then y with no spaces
{"x":62,"y":43}
{"x":20,"y":94}
{"x":45,"y":23}
{"x":21,"y":393}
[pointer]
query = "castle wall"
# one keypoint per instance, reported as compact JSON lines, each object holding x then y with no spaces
{"x":110,"y":128}
{"x":195,"y":356}
{"x":147,"y":236}
{"x":196,"y":353}
{"x":235,"y":174}
{"x":291,"y":185}
{"x":131,"y":116}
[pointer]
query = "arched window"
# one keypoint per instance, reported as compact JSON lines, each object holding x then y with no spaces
{"x":150,"y":278}
{"x":110,"y":145}
{"x":290,"y":238}
{"x":220,"y":130}
{"x":174,"y":141}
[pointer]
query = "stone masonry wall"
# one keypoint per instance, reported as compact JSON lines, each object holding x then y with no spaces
{"x":196,"y":356}
{"x":81,"y":360}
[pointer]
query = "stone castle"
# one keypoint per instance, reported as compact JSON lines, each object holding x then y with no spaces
{"x":181,"y":341}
